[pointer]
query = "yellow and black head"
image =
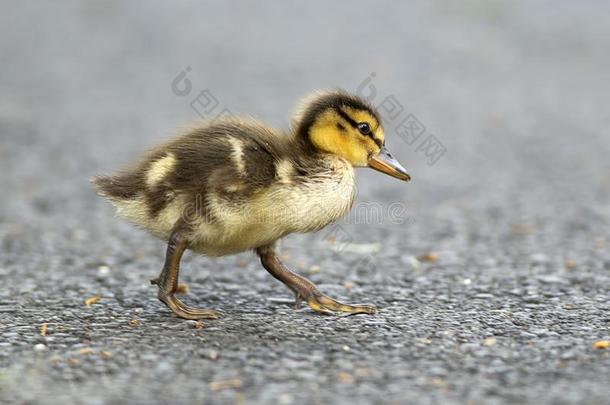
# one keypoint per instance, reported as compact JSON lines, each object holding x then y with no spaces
{"x":345,"y":125}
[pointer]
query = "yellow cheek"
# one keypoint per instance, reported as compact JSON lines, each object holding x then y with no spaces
{"x":329,"y":139}
{"x":356,"y":152}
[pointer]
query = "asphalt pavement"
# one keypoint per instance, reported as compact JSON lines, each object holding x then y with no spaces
{"x":491,"y":269}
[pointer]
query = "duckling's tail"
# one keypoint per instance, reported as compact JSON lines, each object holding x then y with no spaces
{"x":124,"y":186}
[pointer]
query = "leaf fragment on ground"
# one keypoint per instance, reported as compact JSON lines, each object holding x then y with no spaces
{"x":345,"y":378}
{"x":225,"y":384}
{"x":105,"y":354}
{"x":92,"y":300}
{"x":428,"y":257}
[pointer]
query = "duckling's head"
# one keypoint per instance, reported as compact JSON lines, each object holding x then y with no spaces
{"x":342,"y":124}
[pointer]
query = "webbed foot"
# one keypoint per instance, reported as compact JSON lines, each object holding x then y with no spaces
{"x":324,"y":304}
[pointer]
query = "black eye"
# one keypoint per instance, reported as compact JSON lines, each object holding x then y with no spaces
{"x":364,"y":128}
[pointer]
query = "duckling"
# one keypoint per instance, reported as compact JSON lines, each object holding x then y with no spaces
{"x":233,"y":185}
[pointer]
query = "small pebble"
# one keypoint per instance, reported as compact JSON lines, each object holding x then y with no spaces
{"x":40,"y":347}
{"x":286,"y":399}
{"x":539,"y":258}
{"x":490,"y":341}
{"x":411,"y":261}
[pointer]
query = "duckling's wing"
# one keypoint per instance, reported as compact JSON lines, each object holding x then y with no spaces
{"x":225,"y":154}
{"x":228,"y":161}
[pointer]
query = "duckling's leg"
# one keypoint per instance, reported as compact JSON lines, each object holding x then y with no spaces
{"x":305,"y":289}
{"x":168,"y":281}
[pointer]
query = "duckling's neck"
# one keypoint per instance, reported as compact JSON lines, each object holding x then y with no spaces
{"x":315,"y":162}
{"x":322,"y":193}
{"x":303,"y":144}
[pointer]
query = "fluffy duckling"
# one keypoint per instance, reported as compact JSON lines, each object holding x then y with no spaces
{"x":232,"y":185}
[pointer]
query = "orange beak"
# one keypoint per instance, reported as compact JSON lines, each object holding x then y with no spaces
{"x":385,"y":163}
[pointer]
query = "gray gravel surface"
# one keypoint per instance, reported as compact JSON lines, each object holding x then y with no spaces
{"x":516,"y":212}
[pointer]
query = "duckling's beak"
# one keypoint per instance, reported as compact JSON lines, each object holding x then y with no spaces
{"x":385,"y":163}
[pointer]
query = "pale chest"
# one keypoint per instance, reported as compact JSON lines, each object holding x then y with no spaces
{"x":317,"y":202}
{"x":291,"y":206}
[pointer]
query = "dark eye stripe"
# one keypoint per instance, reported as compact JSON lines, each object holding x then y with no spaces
{"x":347,"y":118}
{"x":354,"y":124}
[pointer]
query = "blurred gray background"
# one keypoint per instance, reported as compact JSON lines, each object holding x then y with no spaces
{"x":493,"y":286}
